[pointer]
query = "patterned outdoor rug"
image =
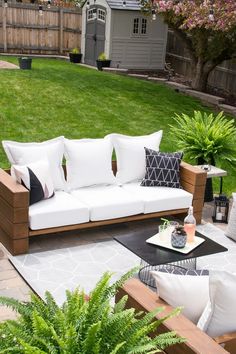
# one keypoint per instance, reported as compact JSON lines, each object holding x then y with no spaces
{"x":83,"y":265}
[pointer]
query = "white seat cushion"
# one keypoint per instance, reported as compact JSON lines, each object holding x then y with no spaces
{"x":60,"y":210}
{"x":159,"y":198}
{"x":108,"y":202}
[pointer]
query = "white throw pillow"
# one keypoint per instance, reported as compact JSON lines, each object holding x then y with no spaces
{"x":88,"y":162}
{"x":36,"y":178}
{"x":50,"y":150}
{"x":187,"y":288}
{"x":130,"y":154}
{"x":219,"y":316}
{"x":231,"y":228}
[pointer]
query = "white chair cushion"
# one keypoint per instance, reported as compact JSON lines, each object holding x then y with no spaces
{"x":51,"y":150}
{"x":108,"y":202}
{"x":159,"y":198}
{"x":62,"y":209}
{"x":181,"y":288}
{"x":231,"y":228}
{"x":219,"y":316}
{"x":130,"y":154}
{"x":89,"y":162}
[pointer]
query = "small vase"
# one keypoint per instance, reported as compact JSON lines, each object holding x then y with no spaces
{"x":178,"y":237}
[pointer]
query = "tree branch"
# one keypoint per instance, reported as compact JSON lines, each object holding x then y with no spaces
{"x":183,"y":37}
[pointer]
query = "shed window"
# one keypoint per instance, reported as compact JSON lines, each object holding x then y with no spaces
{"x":136,"y":26}
{"x":90,"y":14}
{"x":144,"y":26}
{"x":101,"y":15}
{"x":139,"y":26}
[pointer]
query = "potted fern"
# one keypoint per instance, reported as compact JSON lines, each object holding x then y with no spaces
{"x":75,"y":55}
{"x":205,"y":139}
{"x":81,"y":326}
{"x":103,"y":62}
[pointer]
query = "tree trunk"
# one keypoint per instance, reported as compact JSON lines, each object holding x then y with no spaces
{"x":200,"y":75}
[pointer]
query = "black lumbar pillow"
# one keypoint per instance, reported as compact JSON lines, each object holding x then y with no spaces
{"x":162,"y":169}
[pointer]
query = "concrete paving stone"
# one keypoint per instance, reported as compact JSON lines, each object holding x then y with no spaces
{"x":7,"y":314}
{"x":8,"y":274}
{"x":116,"y":70}
{"x":157,"y":79}
{"x":5,"y":265}
{"x":138,"y":76}
{"x":11,"y":283}
{"x":177,"y":86}
{"x":205,"y":97}
{"x":228,"y":109}
{"x":15,"y":293}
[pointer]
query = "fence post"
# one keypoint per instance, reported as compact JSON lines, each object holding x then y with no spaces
{"x":61,"y":31}
{"x":4,"y":28}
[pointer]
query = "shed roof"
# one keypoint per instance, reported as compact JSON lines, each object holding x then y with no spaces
{"x":118,"y":5}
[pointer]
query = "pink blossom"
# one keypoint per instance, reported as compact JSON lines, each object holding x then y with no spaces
{"x":193,"y":14}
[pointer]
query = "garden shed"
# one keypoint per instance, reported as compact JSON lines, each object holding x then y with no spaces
{"x":129,"y":38}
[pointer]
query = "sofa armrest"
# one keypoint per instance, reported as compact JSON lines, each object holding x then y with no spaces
{"x":193,"y":180}
{"x":14,"y":210}
{"x":143,"y":299}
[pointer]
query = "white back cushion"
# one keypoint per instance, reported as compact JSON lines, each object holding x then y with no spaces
{"x":231,"y":228}
{"x":130,"y":154}
{"x":190,"y":290}
{"x":88,"y":162}
{"x":219,"y":316}
{"x":50,"y":150}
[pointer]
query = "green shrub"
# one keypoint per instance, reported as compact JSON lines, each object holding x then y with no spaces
{"x":205,"y":138}
{"x":75,"y":51}
{"x":82,"y":327}
{"x":102,"y":56}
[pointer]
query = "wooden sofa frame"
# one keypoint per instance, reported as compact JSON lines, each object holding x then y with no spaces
{"x":142,"y":298}
{"x":14,"y":207}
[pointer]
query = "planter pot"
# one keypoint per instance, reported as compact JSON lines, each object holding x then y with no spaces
{"x":208,"y":197}
{"x":178,"y":241}
{"x":25,"y":63}
{"x":103,"y":64}
{"x":75,"y":57}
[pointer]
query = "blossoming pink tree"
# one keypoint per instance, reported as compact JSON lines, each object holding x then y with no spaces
{"x":207,"y":27}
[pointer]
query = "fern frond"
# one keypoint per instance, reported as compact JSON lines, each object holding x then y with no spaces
{"x":120,"y":305}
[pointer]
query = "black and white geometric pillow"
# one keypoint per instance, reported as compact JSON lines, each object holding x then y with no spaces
{"x":36,"y":178}
{"x":162,"y":169}
{"x":183,"y":271}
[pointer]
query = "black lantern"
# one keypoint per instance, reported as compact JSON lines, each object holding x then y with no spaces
{"x":221,"y":209}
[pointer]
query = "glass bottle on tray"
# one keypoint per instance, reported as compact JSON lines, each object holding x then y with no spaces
{"x":190,"y":225}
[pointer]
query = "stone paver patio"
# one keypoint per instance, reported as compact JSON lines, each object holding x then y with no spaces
{"x":11,"y":283}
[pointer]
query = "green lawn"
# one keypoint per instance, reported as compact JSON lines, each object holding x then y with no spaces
{"x":59,"y":98}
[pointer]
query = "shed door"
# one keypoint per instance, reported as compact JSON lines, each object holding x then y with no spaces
{"x":95,"y":34}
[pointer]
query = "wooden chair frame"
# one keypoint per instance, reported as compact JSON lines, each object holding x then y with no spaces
{"x":14,"y":209}
{"x":142,"y":298}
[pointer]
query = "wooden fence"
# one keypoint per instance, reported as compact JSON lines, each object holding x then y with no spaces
{"x":23,"y":30}
{"x":223,"y":77}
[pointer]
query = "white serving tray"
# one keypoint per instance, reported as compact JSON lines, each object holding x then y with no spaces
{"x":190,"y":246}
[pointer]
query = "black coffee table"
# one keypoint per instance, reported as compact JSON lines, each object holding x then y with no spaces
{"x":153,"y":256}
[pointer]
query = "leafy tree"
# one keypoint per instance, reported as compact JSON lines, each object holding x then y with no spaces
{"x":207,"y":27}
{"x":81,"y":326}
